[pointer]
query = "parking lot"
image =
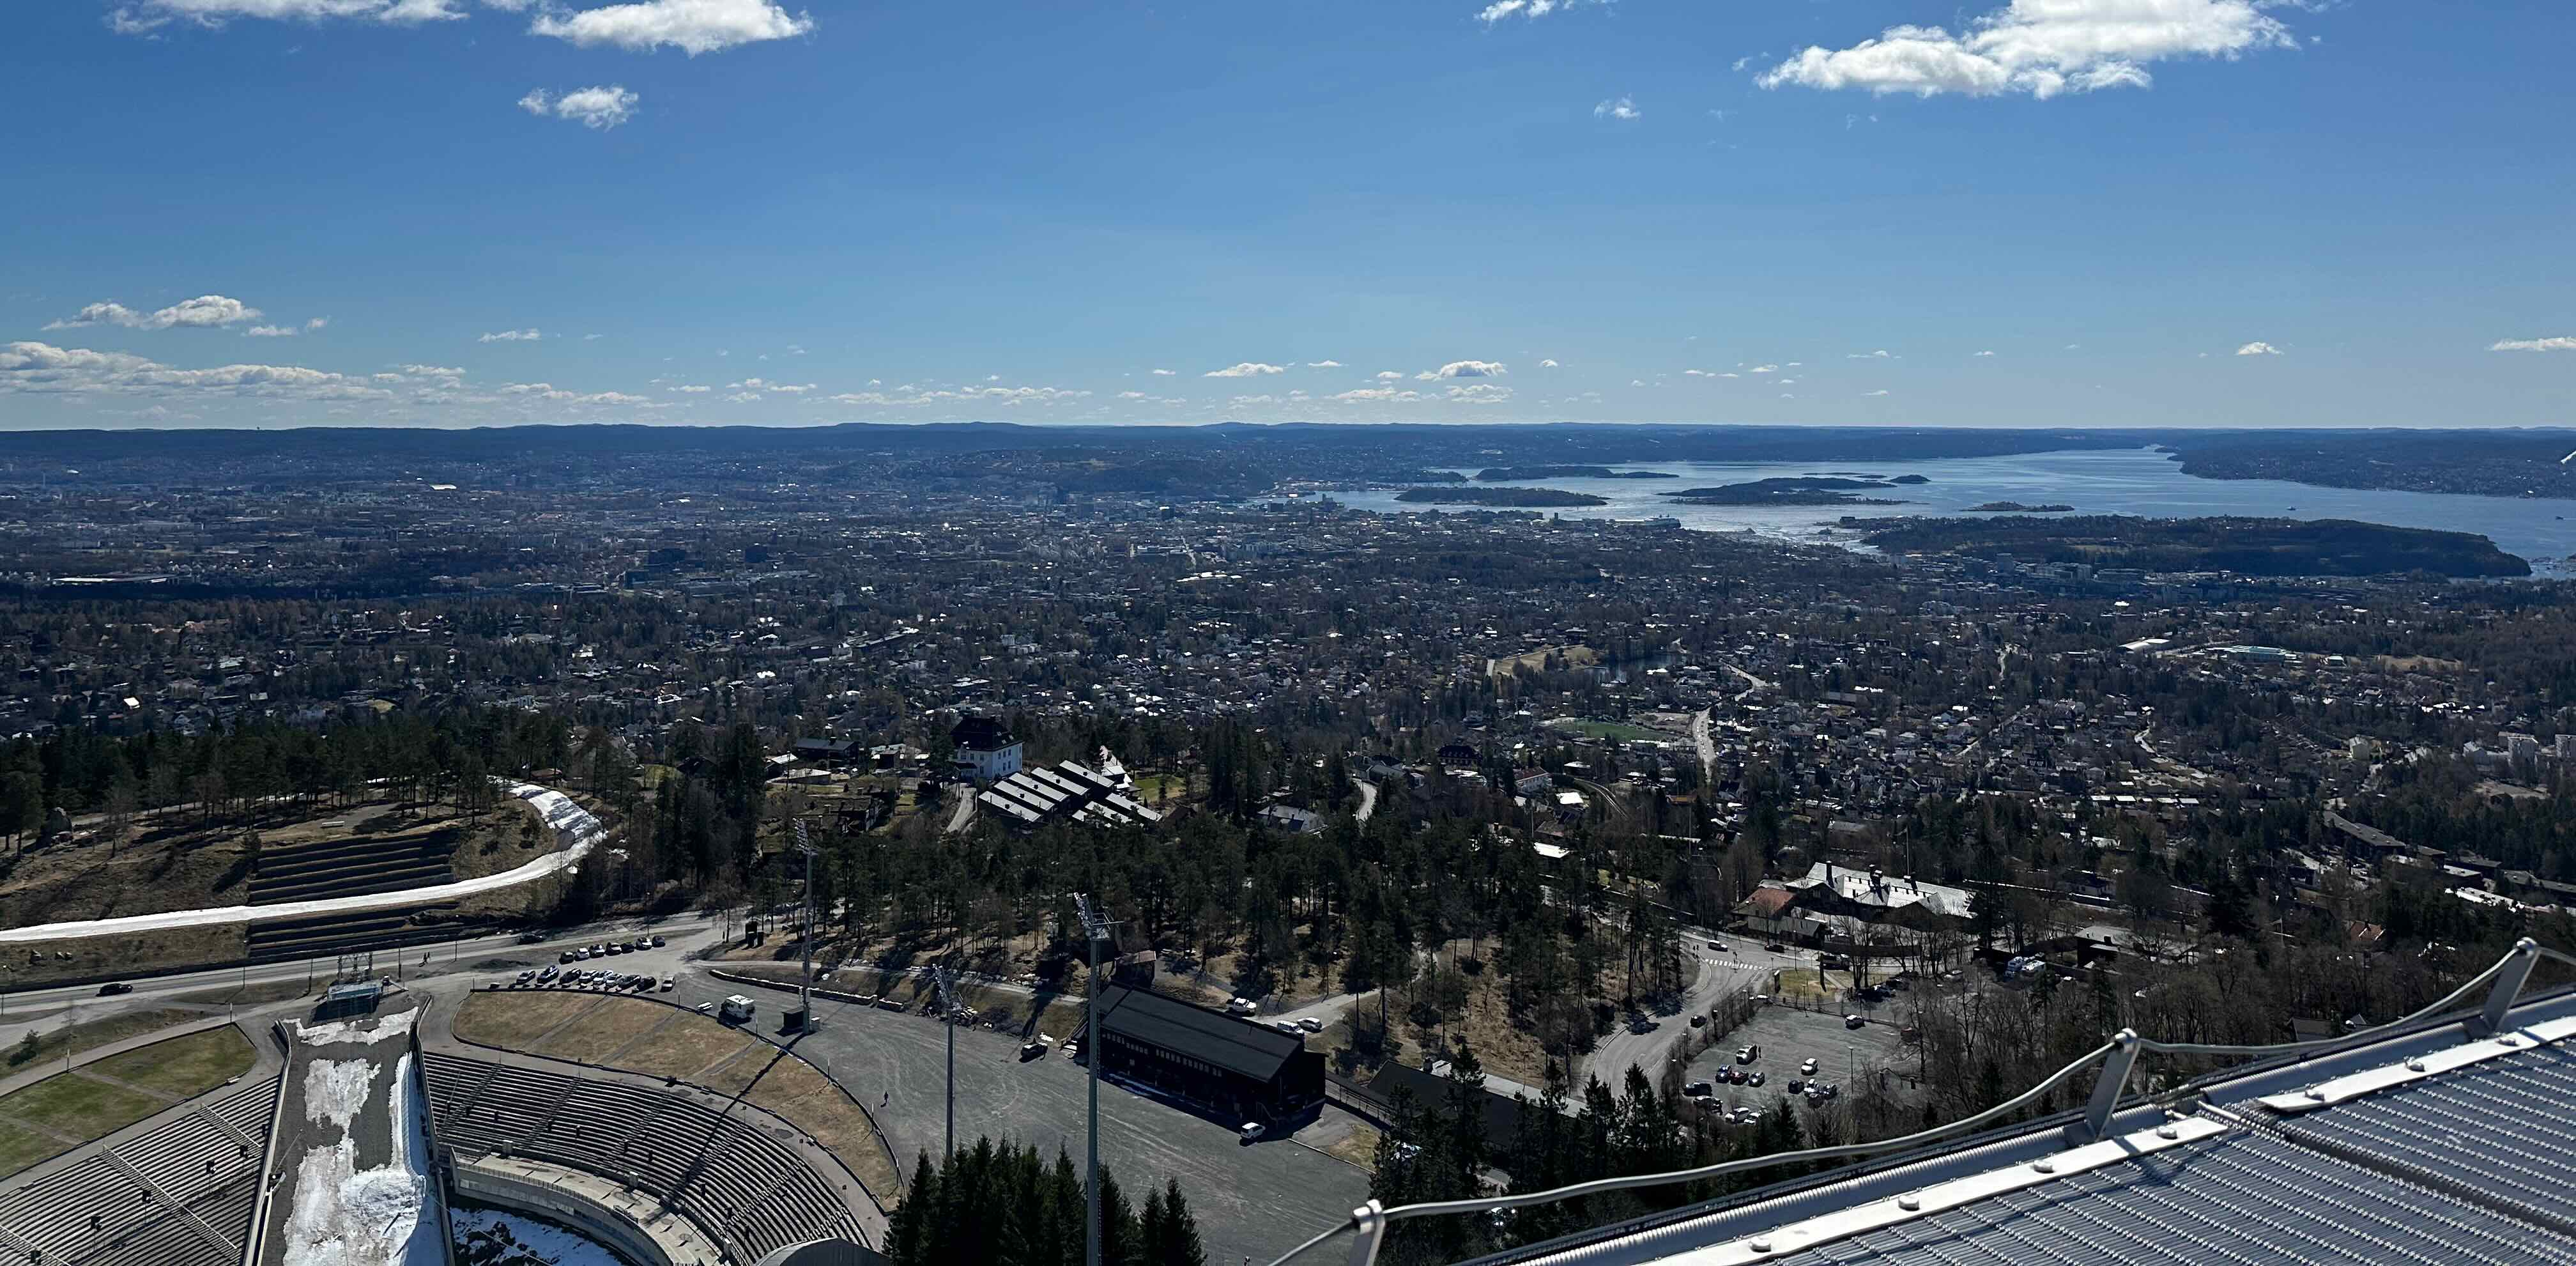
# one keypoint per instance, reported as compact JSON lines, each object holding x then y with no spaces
{"x":1253,"y":1201}
{"x":1788,"y":1036}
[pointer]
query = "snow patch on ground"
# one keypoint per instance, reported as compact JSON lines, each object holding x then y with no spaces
{"x":335,"y":1090}
{"x":490,"y":1237}
{"x":575,"y":831}
{"x":363,"y":1030}
{"x":345,"y":1216}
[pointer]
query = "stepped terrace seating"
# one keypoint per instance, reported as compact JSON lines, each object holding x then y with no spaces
{"x":723,"y":1171}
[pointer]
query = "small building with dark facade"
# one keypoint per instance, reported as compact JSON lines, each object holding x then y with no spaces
{"x":1245,"y":1070}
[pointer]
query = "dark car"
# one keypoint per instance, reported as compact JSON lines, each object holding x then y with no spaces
{"x":113,"y":988}
{"x":1777,"y":948}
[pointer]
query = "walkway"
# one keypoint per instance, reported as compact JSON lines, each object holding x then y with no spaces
{"x":575,"y":831}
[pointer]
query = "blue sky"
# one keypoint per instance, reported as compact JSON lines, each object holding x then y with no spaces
{"x":2035,"y":212}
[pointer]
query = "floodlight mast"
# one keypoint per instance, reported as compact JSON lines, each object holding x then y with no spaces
{"x":1095,"y":929}
{"x":805,"y":943}
{"x":945,"y":979}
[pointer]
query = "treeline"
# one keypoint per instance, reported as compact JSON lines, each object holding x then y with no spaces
{"x":45,"y":782}
{"x":1442,"y":1150}
{"x":996,"y":1204}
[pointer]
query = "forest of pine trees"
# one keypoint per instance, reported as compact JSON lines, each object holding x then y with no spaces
{"x":997,"y":1204}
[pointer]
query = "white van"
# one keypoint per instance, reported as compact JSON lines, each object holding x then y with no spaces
{"x":736,"y":1009}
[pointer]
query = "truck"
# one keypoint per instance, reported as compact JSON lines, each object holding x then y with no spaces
{"x":736,"y":1009}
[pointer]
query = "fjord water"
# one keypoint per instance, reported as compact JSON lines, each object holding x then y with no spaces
{"x":2094,"y":481}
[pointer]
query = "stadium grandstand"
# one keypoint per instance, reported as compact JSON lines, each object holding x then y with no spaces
{"x":175,"y":1190}
{"x":2448,"y":1136}
{"x":736,"y":1184}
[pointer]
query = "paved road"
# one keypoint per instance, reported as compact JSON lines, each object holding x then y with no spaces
{"x":1256,"y":1201}
{"x":1700,"y":739}
{"x":1368,"y":799}
{"x":1743,"y":965}
{"x":41,"y":1009}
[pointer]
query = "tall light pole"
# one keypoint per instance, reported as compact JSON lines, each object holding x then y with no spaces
{"x":805,"y":943}
{"x":946,"y":979}
{"x":1095,"y":927}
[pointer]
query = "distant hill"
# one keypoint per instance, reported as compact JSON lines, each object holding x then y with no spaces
{"x":2254,"y":547}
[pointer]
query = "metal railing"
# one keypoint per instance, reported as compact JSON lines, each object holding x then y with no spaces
{"x":2118,"y":1058}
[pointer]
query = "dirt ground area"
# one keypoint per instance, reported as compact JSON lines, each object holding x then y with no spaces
{"x":642,"y":1036}
{"x":178,"y":861}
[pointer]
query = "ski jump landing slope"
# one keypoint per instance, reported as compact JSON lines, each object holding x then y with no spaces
{"x":575,"y":832}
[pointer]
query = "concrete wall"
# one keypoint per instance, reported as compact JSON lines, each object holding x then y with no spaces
{"x":562,"y":1202}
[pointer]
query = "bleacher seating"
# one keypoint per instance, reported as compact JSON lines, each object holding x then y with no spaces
{"x":134,"y":1228}
{"x":721,"y":1171}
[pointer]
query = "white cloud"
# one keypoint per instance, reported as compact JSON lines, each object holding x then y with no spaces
{"x":1623,"y":109}
{"x":1985,"y":353}
{"x":1247,"y":369}
{"x":692,"y":26}
{"x":1880,"y":354}
{"x":271,"y":331}
{"x":317,"y":323}
{"x":511,"y":336}
{"x":1501,"y":9}
{"x":1480,"y":393}
{"x":1547,"y":364}
{"x":778,"y":388}
{"x":1377,"y":395}
{"x":431,"y":371}
{"x":1390,"y":375}
{"x":1465,"y":369}
{"x":202,"y":312}
{"x":2556,"y":344}
{"x":1323,"y":364}
{"x":1131,"y":395}
{"x":42,"y":367}
{"x":1165,"y":373}
{"x":2258,"y":349}
{"x":150,"y":15}
{"x":1879,"y":392}
{"x":1764,"y":369}
{"x":693,"y":389}
{"x":598,"y":107}
{"x":1697,"y":373}
{"x":2041,"y":47}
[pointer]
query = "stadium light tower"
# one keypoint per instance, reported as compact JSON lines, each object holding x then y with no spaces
{"x":805,"y":943}
{"x":946,"y":979}
{"x":1095,"y":928}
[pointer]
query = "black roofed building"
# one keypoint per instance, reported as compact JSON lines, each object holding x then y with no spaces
{"x":986,"y":749}
{"x":1243,"y":1069}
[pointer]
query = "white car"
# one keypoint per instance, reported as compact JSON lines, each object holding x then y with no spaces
{"x":1311,"y":1024}
{"x":1251,"y":1131}
{"x":1808,"y":1067}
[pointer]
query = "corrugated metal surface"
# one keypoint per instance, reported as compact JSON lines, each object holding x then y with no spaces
{"x":2507,"y":1126}
{"x":2249,"y":1198}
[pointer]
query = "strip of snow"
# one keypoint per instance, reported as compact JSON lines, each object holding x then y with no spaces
{"x":575,"y":832}
{"x":366,"y":1031}
{"x":344,"y":1216}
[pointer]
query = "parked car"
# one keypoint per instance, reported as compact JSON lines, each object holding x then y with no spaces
{"x":1808,"y":1067}
{"x":1698,"y":1088}
{"x":1853,"y":1021}
{"x":113,"y":988}
{"x":1311,"y":1024}
{"x":1034,"y":1048}
{"x":1252,"y":1131}
{"x":658,"y":942}
{"x":1755,"y":1079}
{"x":1699,"y":1021}
{"x":669,"y":983}
{"x":1288,"y":1027}
{"x":569,"y":956}
{"x":706,"y":1008}
{"x":1776,"y":948}
{"x":1242,"y":1006}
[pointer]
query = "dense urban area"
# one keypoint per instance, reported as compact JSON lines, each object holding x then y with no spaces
{"x":1541,"y":849}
